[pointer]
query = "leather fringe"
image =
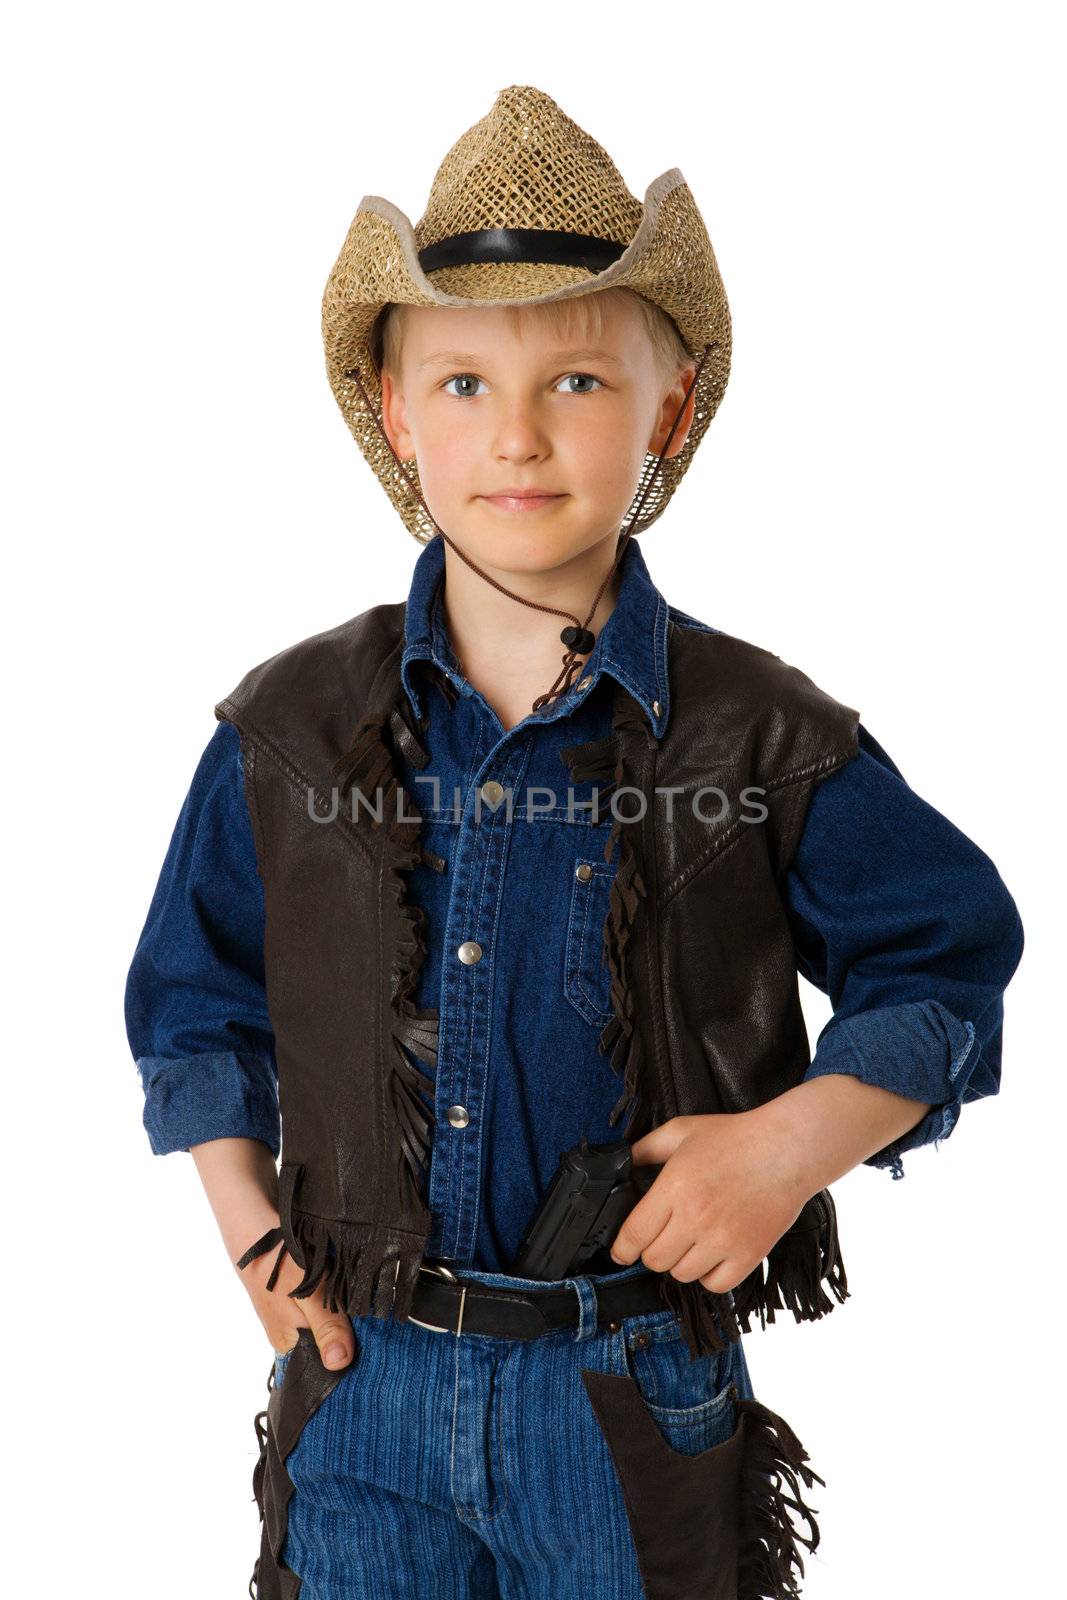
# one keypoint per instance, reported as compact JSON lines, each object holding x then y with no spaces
{"x":621,"y":1040}
{"x":806,"y":1256}
{"x":258,"y":1474}
{"x":707,"y":1319}
{"x":600,"y":762}
{"x":363,"y":1268}
{"x":789,"y":1279}
{"x":597,"y":763}
{"x":278,"y":1428}
{"x":793,"y":1272}
{"x":768,"y":1548}
{"x":414,"y":1037}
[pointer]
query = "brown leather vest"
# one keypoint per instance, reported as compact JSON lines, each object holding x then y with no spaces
{"x":706,"y":1009}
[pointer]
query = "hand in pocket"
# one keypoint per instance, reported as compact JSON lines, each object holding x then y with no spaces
{"x":283,"y":1317}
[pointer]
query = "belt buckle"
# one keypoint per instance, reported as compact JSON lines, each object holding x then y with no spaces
{"x":435,"y":1269}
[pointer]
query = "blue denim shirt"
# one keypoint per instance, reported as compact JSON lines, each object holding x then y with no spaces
{"x":896,"y":915}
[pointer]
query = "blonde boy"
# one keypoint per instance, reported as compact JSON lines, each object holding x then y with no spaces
{"x":393,"y":901}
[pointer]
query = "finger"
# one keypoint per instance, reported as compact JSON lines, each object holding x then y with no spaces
{"x":699,"y":1261}
{"x":647,"y":1219}
{"x":724,"y":1278}
{"x":669,"y":1246}
{"x":333,"y":1335}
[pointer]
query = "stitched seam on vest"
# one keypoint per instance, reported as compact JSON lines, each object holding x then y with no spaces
{"x":375,"y":1226}
{"x":731,"y":837}
{"x":733,"y":833}
{"x":827,"y":764}
{"x":298,"y":779}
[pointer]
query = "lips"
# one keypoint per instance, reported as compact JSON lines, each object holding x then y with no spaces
{"x":526,"y":501}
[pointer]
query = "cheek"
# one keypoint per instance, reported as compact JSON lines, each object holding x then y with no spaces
{"x":605,"y":466}
{"x":448,"y":441}
{"x":451,"y":461}
{"x":603,"y":444}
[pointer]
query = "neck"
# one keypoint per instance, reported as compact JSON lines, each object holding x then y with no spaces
{"x":499,"y":640}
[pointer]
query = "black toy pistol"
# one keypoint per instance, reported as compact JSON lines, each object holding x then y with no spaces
{"x":593,"y":1191}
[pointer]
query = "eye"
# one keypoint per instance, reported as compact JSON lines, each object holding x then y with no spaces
{"x":586,"y":375}
{"x":470,"y":382}
{"x":462,"y":377}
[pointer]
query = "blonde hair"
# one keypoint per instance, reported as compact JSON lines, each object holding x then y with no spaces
{"x":587,"y":311}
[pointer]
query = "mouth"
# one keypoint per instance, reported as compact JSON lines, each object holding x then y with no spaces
{"x":522,"y":502}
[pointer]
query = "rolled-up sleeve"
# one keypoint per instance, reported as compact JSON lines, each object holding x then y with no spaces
{"x":195,"y":999}
{"x":909,"y":929}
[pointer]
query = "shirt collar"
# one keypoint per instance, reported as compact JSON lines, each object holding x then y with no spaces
{"x":631,"y":646}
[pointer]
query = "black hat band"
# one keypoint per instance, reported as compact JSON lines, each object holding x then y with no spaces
{"x":548,"y":246}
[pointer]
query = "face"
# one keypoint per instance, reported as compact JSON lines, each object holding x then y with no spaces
{"x":485,"y":408}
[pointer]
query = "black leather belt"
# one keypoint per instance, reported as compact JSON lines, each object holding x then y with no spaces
{"x":445,"y":1303}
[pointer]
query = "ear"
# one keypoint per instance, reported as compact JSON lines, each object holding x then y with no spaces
{"x":667,"y":413}
{"x":394,"y":418}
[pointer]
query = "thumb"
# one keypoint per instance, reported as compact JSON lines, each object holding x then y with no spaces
{"x":657,"y":1146}
{"x":333,"y":1335}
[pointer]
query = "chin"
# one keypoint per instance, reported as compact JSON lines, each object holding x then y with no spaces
{"x":533,"y":552}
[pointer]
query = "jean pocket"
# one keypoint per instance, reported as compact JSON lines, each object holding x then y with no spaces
{"x":711,"y":1490}
{"x":690,"y":1401}
{"x":587,"y":979}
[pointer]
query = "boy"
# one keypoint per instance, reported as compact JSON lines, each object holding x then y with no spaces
{"x":384,"y":914}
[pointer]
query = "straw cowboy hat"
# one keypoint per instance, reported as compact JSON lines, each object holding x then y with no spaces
{"x":525,"y":208}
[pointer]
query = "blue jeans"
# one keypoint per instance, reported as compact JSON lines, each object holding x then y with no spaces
{"x":450,"y":1466}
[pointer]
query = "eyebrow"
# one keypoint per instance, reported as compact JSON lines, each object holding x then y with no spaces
{"x":459,"y":358}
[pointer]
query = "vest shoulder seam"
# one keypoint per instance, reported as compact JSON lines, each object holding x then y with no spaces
{"x":226,"y":711}
{"x":825,"y":766}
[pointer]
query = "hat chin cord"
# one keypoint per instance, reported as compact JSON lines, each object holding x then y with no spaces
{"x":578,"y":637}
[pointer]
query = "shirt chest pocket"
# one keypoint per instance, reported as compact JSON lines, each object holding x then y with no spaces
{"x":586,"y":978}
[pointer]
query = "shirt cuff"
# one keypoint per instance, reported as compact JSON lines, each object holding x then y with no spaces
{"x":921,"y":1050}
{"x":191,"y":1099}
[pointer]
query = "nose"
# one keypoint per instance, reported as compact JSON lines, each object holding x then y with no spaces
{"x":520,"y":434}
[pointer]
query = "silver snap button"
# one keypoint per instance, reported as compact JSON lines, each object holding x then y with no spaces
{"x":492,"y":793}
{"x":583,"y":872}
{"x":469,"y":952}
{"x":585,"y":683}
{"x":457,"y":1116}
{"x":657,"y":708}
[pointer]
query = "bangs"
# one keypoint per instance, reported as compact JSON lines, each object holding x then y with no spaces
{"x":582,"y":318}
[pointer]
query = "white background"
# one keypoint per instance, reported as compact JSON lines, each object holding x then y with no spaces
{"x":878,"y":501}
